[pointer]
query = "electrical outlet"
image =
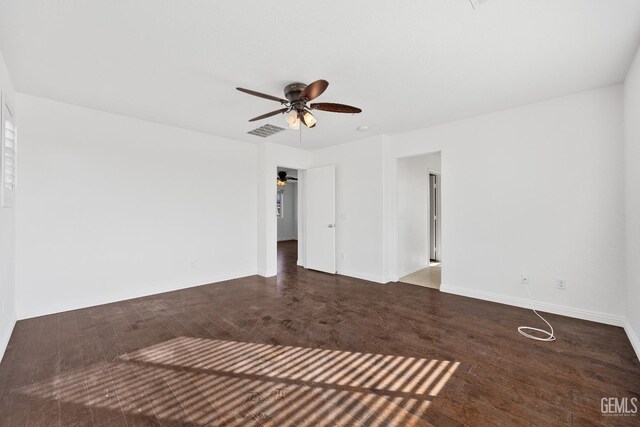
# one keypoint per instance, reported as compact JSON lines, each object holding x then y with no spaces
{"x":561,"y":284}
{"x":524,"y":279}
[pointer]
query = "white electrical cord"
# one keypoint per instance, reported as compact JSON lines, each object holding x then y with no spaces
{"x":522,"y":329}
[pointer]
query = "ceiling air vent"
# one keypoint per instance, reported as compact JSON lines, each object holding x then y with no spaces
{"x":266,"y":130}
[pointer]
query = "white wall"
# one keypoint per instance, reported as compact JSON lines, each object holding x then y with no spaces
{"x":413,"y":211}
{"x":632,"y":198}
{"x":112,"y":207}
{"x":359,"y":206}
{"x":7,"y":238}
{"x":536,"y":189}
{"x":288,"y":224}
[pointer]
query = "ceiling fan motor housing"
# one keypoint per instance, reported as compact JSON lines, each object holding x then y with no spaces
{"x":293,"y":91}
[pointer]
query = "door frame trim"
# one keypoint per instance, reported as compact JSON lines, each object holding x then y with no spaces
{"x":439,"y":224}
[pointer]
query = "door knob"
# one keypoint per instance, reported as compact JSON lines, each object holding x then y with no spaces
{"x":331,"y":225}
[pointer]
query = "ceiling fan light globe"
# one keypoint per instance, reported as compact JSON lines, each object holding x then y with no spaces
{"x":308,"y":119}
{"x":293,"y":120}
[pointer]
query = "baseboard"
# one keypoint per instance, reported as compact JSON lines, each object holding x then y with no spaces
{"x":414,"y":269}
{"x":363,"y":276}
{"x":265,"y":273}
{"x":578,"y":313}
{"x":357,"y":275}
{"x":4,"y":340}
{"x":633,"y":337}
{"x":29,"y":312}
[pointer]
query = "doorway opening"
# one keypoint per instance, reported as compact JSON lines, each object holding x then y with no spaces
{"x":419,"y":220}
{"x":287,"y":210}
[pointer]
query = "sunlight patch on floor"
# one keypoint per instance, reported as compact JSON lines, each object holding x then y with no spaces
{"x":201,"y":381}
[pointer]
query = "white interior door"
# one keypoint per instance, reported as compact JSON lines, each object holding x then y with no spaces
{"x":320,"y":189}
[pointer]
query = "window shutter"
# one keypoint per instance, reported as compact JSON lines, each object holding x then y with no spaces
{"x":9,"y":162}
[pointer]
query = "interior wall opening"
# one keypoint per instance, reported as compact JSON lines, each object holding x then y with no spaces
{"x":419,"y":220}
{"x":287,"y":214}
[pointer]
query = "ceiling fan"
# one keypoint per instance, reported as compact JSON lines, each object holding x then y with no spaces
{"x":283,"y":178}
{"x":298,"y":95}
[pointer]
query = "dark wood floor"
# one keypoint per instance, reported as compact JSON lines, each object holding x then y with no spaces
{"x":310,"y":349}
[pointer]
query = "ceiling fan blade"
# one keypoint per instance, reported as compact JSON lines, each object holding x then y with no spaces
{"x":335,"y":108}
{"x":273,"y":113}
{"x":314,"y":90}
{"x":292,"y":178}
{"x":262,"y":95}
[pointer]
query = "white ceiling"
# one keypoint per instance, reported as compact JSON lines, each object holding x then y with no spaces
{"x":407,"y":64}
